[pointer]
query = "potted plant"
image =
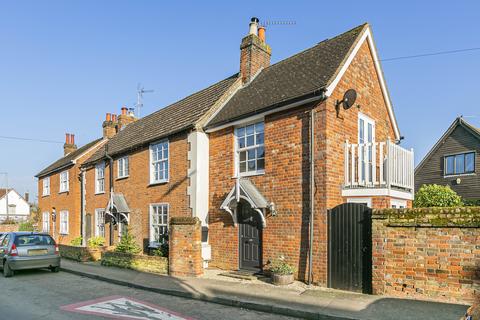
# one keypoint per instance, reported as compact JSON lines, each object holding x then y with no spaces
{"x":282,"y":272}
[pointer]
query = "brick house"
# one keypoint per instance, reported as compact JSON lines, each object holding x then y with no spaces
{"x":59,"y":190}
{"x":255,"y":156}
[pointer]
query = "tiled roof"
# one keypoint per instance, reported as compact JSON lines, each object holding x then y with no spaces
{"x":302,"y":74}
{"x":174,"y":118}
{"x":66,"y":160}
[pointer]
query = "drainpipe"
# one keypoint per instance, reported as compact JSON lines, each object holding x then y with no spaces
{"x":312,"y":188}
{"x":82,"y":206}
{"x":111,"y":181}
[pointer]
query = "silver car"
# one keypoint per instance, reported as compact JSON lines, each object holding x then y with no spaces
{"x":28,"y":250}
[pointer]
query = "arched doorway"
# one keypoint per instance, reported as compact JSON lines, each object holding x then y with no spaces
{"x":250,"y":237}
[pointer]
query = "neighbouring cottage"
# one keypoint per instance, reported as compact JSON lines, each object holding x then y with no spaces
{"x":13,"y":206}
{"x":453,"y":161}
{"x":254,"y":157}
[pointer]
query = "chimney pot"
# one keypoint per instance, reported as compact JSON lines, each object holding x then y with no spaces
{"x":124,"y":110}
{"x":26,"y":196}
{"x":253,"y":27}
{"x":261,"y":33}
{"x":67,"y":138}
{"x":72,"y":139}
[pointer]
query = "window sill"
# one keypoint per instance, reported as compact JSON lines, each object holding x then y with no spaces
{"x":99,"y":193}
{"x":152,"y":184}
{"x":64,"y":234}
{"x":250,"y":174}
{"x":45,"y":195}
{"x":122,"y":178}
{"x":66,"y":191}
{"x":459,"y":175}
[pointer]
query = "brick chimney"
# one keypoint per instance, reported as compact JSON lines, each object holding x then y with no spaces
{"x":254,"y":52}
{"x":109,"y":126}
{"x":69,"y":145}
{"x":125,"y":118}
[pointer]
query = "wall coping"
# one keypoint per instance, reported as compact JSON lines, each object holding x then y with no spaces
{"x":437,"y":217}
{"x":184,"y":221}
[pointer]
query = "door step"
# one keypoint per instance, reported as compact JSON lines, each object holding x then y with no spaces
{"x":239,"y":275}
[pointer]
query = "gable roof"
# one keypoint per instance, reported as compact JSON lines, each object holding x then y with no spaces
{"x":67,"y":160}
{"x":177,"y":117}
{"x":458,"y":122}
{"x":4,"y":191}
{"x":305,"y":75}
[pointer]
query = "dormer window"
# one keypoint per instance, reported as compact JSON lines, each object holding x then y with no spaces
{"x":250,"y":153}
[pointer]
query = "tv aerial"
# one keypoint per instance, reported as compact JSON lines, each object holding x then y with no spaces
{"x":140,"y":91}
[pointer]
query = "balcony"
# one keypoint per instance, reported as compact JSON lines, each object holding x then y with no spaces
{"x":378,"y":168}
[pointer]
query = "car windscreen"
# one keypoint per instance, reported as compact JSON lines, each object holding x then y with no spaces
{"x":33,"y":240}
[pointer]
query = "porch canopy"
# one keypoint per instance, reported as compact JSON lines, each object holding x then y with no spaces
{"x":246,"y":190}
{"x":118,"y":204}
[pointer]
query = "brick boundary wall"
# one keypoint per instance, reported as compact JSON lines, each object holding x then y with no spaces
{"x":9,"y":227}
{"x":185,"y":247}
{"x":427,"y":253}
{"x":81,"y":254}
{"x":139,"y":262}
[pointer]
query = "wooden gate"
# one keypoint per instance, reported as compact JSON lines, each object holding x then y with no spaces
{"x":350,"y":248}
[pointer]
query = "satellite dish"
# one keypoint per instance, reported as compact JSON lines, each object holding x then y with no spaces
{"x":349,"y":98}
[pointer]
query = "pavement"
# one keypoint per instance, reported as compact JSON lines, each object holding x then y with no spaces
{"x":43,"y":295}
{"x":297,"y":300}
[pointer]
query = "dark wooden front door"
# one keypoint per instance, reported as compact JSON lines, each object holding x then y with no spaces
{"x":250,"y":237}
{"x":350,"y":247}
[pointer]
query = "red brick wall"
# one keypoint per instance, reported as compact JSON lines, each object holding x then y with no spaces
{"x":69,"y":201}
{"x":428,"y":262}
{"x":139,"y":193}
{"x":185,"y":249}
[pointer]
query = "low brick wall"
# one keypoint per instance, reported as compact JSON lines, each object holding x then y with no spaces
{"x":81,"y":254}
{"x":185,"y":247}
{"x":9,"y":227}
{"x":138,"y":262}
{"x":427,"y":253}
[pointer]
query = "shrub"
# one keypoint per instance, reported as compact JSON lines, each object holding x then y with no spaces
{"x":128,"y":244}
{"x":161,"y":251}
{"x":432,"y":195}
{"x":96,"y":242}
{"x":26,"y":226}
{"x":471,"y":203}
{"x":77,"y":242}
{"x":9,"y":221}
{"x":279,"y":266}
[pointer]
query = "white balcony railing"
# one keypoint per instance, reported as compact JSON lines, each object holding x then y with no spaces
{"x":378,"y":165}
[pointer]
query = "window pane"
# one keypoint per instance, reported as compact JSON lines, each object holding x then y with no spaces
{"x":260,"y":152}
{"x":459,"y":163}
{"x":241,"y":142}
{"x":250,"y":129}
{"x":449,"y":165}
{"x":361,"y":134}
{"x":259,"y":127}
{"x":259,"y":138}
{"x":261,"y":164}
{"x":243,"y":156}
{"x":251,"y":154}
{"x":240,"y":132}
{"x":470,"y":162}
{"x":250,"y":140}
{"x":243,"y":166}
{"x":251,"y":165}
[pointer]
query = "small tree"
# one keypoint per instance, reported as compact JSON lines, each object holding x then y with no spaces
{"x":433,"y":195}
{"x":128,"y":244}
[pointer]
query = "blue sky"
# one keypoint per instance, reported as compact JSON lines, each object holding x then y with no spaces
{"x":64,"y":64}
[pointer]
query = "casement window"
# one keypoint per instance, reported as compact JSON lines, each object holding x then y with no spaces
{"x":158,"y":224}
{"x":100,"y":178}
{"x":100,"y":223}
{"x":64,"y":181}
{"x":46,"y":222}
{"x":122,"y":164}
{"x":159,"y":162}
{"x":366,"y":138}
{"x":12,"y":209}
{"x":250,"y":149}
{"x":46,"y":186}
{"x":461,"y":163}
{"x":64,"y":222}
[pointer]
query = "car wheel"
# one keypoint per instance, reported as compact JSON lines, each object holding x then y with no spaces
{"x":54,"y":269}
{"x":7,"y":272}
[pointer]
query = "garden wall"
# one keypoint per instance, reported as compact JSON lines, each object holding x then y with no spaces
{"x":9,"y":227}
{"x":143,"y":263}
{"x":81,"y":254}
{"x":427,"y":253}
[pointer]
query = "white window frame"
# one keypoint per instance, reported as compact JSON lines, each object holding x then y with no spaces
{"x":46,"y":222}
{"x":238,"y":150}
{"x":100,"y":225}
{"x":367,"y":201}
{"x":64,"y":181}
{"x":398,"y":203}
{"x":46,"y":186}
{"x":165,"y":206}
{"x":100,"y":178}
{"x":64,"y":222}
{"x":464,"y":164}
{"x":122,"y":167}
{"x":12,"y":209}
{"x":366,"y":121}
{"x":163,"y":159}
